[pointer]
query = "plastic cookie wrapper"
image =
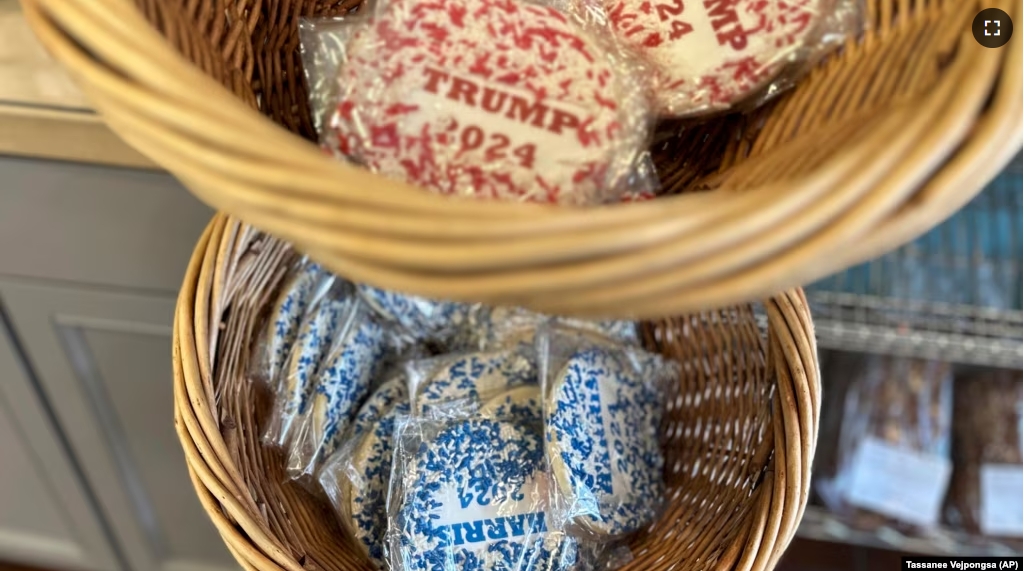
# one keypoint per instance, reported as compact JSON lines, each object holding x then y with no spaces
{"x":294,"y":388}
{"x":472,"y":493}
{"x":468,"y":379}
{"x":307,"y":282}
{"x":356,"y":477}
{"x":342,"y":381}
{"x":482,"y":98}
{"x":419,"y":320}
{"x":891,"y":461}
{"x":603,"y":409}
{"x":710,"y":56}
{"x":498,"y":326}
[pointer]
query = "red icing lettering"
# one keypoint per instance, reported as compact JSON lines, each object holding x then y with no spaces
{"x":726,"y":23}
{"x":433,"y":78}
{"x":562,"y":120}
{"x":532,"y":114}
{"x":463,"y":89}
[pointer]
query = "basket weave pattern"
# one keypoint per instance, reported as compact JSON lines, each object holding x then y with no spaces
{"x":740,"y":431}
{"x":876,"y":145}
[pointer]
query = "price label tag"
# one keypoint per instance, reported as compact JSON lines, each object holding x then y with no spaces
{"x":902,"y":484}
{"x":1002,"y":498}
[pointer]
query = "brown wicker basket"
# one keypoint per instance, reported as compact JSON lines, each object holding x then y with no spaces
{"x":741,"y":431}
{"x":879,"y":143}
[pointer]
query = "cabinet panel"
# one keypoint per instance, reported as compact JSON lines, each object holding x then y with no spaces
{"x":99,"y":225}
{"x":104,"y":360}
{"x":45,"y":517}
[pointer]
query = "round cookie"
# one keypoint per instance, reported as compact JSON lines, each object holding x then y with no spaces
{"x":422,"y":318}
{"x":475,"y":376}
{"x":602,"y":439}
{"x":365,"y":499}
{"x":707,"y":55}
{"x":342,"y":383}
{"x":286,"y":316}
{"x":310,"y":348}
{"x":488,"y":98}
{"x":476,"y":497}
{"x":391,"y":391}
{"x":521,"y":404}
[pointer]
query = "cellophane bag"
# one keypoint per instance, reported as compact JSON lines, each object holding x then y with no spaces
{"x":354,"y":358}
{"x":497,"y":326}
{"x":496,"y":99}
{"x":439,"y":325}
{"x":296,"y":382}
{"x":472,"y":492}
{"x":356,"y":478}
{"x":712,"y":56}
{"x":469,"y":378}
{"x":603,"y":409}
{"x":985,"y":493}
{"x":891,"y":463}
{"x":306,"y":283}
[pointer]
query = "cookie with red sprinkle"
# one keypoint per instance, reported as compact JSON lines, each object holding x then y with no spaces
{"x":707,"y":55}
{"x":499,"y":99}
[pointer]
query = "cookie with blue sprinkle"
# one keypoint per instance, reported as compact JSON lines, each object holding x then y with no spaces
{"x":300,"y":291}
{"x":521,"y":405}
{"x":365,"y":493}
{"x":421,"y":318}
{"x":341,"y":385}
{"x":296,"y":387}
{"x":475,"y":497}
{"x":603,"y":416}
{"x":473,"y":376}
{"x":392,"y":390}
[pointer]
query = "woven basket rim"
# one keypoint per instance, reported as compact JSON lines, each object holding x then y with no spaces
{"x":223,"y":490}
{"x":644,"y":259}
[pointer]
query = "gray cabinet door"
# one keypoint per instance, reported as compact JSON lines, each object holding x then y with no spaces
{"x":46,"y":519}
{"x":104,"y":361}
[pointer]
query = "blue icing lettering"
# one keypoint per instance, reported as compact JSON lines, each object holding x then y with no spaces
{"x":517,"y":524}
{"x":496,"y":528}
{"x":474,"y":531}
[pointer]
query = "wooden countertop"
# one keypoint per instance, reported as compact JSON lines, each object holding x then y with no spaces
{"x":42,"y":112}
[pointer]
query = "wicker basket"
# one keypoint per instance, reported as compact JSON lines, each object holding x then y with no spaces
{"x":877,"y":145}
{"x":741,"y":431}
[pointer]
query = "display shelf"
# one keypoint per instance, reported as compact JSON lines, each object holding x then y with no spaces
{"x":821,"y":525}
{"x":954,"y":294}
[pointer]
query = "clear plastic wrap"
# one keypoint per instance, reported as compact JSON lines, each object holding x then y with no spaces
{"x":469,"y":379}
{"x":891,"y":463}
{"x":487,"y":98}
{"x":985,"y":491}
{"x":473,"y":494}
{"x":306,"y":284}
{"x":341,"y":382}
{"x":708,"y":56}
{"x":603,"y":409}
{"x":418,"y":319}
{"x":499,"y":326}
{"x":356,"y":478}
{"x":296,"y":383}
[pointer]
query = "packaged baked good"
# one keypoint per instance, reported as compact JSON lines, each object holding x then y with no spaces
{"x":356,"y":478}
{"x":473,"y":493}
{"x":341,"y":383}
{"x":306,"y":283}
{"x":603,"y":408}
{"x":710,"y":55}
{"x":296,"y":383}
{"x":891,"y":463}
{"x":497,"y":99}
{"x":985,"y":494}
{"x":468,"y":378}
